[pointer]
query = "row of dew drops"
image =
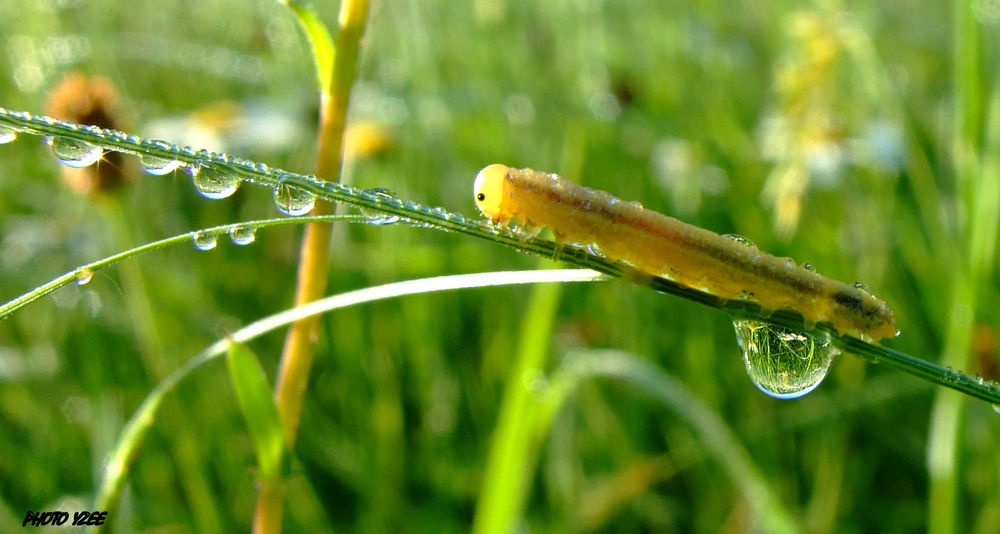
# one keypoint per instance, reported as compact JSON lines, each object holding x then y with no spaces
{"x":210,"y":175}
{"x":215,"y":182}
{"x":210,"y":180}
{"x":782,"y":363}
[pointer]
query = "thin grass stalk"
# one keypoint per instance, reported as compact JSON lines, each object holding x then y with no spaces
{"x":709,"y":428}
{"x":146,"y":327}
{"x":509,"y":462}
{"x":978,"y":231}
{"x":300,"y":344}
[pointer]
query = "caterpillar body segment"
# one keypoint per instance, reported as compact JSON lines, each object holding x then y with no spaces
{"x":664,"y":246}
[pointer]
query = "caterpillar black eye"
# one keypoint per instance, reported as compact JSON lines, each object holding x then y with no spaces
{"x":489,"y":190}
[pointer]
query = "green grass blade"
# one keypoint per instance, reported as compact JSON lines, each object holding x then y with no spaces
{"x":949,"y":409}
{"x":257,"y":403}
{"x":508,"y":464}
{"x":134,"y":434}
{"x":712,"y":431}
{"x":320,"y":41}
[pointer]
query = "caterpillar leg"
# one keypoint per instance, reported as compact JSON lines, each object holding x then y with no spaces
{"x":500,"y":225}
{"x":560,"y":243}
{"x":526,"y":231}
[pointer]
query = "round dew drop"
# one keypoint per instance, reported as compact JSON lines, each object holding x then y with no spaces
{"x":158,"y":166}
{"x":378,"y":218}
{"x":213,"y":183}
{"x":782,"y":363}
{"x":7,"y":135}
{"x":383,"y":219}
{"x":862,"y":287}
{"x":293,"y":201}
{"x":205,"y":241}
{"x":243,"y":235}
{"x":73,"y":153}
{"x":595,"y":250}
{"x":84,"y":277}
{"x":741,"y":240}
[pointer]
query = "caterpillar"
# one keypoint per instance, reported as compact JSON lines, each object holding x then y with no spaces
{"x":663,"y":246}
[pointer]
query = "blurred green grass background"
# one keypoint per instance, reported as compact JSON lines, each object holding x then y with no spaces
{"x":688,"y":108}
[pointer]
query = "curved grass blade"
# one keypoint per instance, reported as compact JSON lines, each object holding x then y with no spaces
{"x":85,"y":272}
{"x":132,"y":437}
{"x":712,"y":431}
{"x":320,"y":41}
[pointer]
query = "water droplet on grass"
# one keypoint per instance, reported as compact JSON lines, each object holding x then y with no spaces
{"x":809,"y":267}
{"x":205,"y":241}
{"x":378,"y":218}
{"x":741,"y":240}
{"x":293,"y":201}
{"x":158,"y":166}
{"x":74,"y":153}
{"x":7,"y":135}
{"x":84,"y":276}
{"x":243,"y":235}
{"x":213,"y":183}
{"x":381,"y":191}
{"x":783,"y":363}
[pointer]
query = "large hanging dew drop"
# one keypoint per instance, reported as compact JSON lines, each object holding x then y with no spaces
{"x":7,"y":135}
{"x":784,"y":364}
{"x":158,"y":166}
{"x":213,"y":183}
{"x":74,"y":153}
{"x":292,"y":200}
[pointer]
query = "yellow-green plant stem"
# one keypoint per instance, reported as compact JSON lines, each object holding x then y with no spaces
{"x":296,"y":359}
{"x":314,"y":260}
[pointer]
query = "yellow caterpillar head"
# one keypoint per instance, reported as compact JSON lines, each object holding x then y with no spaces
{"x":489,"y":190}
